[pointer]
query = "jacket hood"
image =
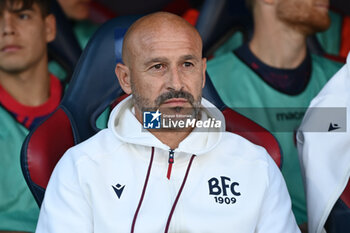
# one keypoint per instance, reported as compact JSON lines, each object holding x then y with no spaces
{"x":125,"y":126}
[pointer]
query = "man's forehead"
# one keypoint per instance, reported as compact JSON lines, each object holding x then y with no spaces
{"x":167,"y":38}
{"x":159,"y":31}
{"x":167,"y":48}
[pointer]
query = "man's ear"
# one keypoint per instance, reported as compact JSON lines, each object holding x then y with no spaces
{"x":50,"y":27}
{"x":123,"y":75}
{"x":204,"y":63}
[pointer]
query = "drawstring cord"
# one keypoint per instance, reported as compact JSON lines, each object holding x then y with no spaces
{"x":143,"y":192}
{"x":176,"y":199}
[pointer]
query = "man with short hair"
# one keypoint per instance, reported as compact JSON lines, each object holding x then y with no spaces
{"x":28,"y":93}
{"x":183,"y":179}
{"x":273,"y":78}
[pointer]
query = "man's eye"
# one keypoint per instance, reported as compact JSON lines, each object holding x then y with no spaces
{"x":158,"y":66}
{"x":188,"y":64}
{"x":23,"y":16}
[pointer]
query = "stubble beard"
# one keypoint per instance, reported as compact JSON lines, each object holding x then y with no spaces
{"x":302,"y":17}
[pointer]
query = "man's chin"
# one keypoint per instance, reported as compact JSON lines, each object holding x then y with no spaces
{"x":319,"y":21}
{"x":320,"y":27}
{"x":312,"y":27}
{"x":308,"y":21}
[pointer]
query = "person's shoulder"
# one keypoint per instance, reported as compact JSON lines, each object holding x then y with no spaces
{"x":241,"y":148}
{"x":84,"y":31}
{"x":226,"y":64}
{"x":221,"y":60}
{"x":231,"y":44}
{"x":10,"y":126}
{"x":335,"y":94}
{"x":104,"y":143}
{"x":336,"y":88}
{"x":86,"y":25}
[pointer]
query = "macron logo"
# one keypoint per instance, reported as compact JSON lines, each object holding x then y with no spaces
{"x":118,"y":189}
{"x":333,"y":127}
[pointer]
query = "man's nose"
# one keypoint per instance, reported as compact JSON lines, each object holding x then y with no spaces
{"x":175,"y":79}
{"x":7,"y":25}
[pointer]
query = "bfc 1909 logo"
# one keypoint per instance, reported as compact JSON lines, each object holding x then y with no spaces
{"x":151,"y":120}
{"x":224,"y":191}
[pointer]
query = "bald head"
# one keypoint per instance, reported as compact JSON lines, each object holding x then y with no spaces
{"x":156,"y":25}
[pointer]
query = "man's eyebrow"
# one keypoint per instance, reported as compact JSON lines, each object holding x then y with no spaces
{"x":21,"y":10}
{"x":16,"y":11}
{"x":156,"y":60}
{"x":189,"y":57}
{"x":165,"y":59}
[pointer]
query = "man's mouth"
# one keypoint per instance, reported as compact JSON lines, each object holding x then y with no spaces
{"x":11,"y":48}
{"x":175,"y":102}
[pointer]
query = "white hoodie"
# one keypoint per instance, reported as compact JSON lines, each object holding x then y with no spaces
{"x":325,"y":156}
{"x":99,"y":185}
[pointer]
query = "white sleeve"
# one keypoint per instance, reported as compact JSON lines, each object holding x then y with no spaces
{"x":65,"y":208}
{"x":276,"y":214}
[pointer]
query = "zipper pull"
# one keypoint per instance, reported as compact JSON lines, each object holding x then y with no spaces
{"x":170,"y":162}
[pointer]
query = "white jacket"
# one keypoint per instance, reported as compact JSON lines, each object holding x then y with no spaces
{"x":232,"y":184}
{"x":325,"y":156}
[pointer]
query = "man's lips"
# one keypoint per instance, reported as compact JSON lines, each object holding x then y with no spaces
{"x":10,"y":48}
{"x":176,"y":101}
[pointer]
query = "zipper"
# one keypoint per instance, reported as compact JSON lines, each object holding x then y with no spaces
{"x":170,"y":163}
{"x":178,"y":195}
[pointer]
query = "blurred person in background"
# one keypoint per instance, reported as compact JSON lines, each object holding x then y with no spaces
{"x":28,"y":93}
{"x":333,"y":43}
{"x":276,"y":76}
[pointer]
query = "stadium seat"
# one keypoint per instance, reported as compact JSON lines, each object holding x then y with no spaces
{"x":93,"y":88}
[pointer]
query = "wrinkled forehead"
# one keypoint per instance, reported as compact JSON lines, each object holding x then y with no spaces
{"x":153,"y":39}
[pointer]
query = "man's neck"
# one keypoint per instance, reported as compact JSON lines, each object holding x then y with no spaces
{"x":171,"y":137}
{"x":277,"y":44}
{"x":30,"y":87}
